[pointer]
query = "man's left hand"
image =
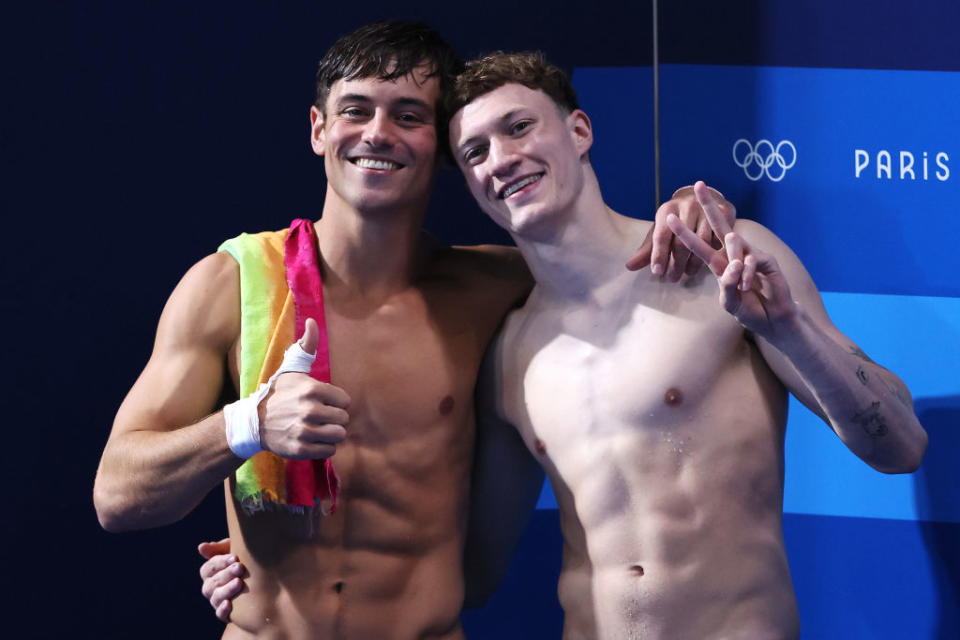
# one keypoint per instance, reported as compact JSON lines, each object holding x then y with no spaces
{"x":673,"y":259}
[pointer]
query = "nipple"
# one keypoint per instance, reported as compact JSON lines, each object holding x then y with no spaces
{"x":445,"y":406}
{"x":673,"y":397}
{"x":539,"y":446}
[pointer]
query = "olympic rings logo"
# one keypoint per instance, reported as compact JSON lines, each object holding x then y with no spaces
{"x":764,"y":158}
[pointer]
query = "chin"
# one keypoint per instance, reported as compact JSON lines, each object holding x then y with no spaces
{"x":533,"y":225}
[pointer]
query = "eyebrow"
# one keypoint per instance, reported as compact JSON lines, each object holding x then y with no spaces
{"x":403,"y":101}
{"x":504,"y":118}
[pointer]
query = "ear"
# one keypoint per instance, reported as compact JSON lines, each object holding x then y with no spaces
{"x":581,"y":130}
{"x":317,"y":132}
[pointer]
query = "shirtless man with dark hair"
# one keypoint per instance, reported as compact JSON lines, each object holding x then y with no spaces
{"x":668,"y":470}
{"x":407,"y":320}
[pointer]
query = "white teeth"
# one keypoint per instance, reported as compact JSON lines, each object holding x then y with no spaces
{"x":370,"y":163}
{"x":512,"y":189}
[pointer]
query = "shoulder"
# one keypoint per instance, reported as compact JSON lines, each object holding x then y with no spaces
{"x":490,"y":277}
{"x":753,"y":231}
{"x":760,"y":237}
{"x":493,"y":261}
{"x":481,"y":268}
{"x":205,"y":304}
{"x":261,"y":245}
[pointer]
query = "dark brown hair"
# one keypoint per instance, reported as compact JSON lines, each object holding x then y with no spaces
{"x":530,"y":69}
{"x":387,"y":50}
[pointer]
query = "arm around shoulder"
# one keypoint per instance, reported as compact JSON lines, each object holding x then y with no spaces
{"x":506,"y":483}
{"x":866,"y":405}
{"x":165,"y":451}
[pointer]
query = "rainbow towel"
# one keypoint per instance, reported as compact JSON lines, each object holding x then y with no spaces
{"x":280,"y":288}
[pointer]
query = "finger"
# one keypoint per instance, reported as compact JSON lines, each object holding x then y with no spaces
{"x":749,"y":272}
{"x":662,"y":239}
{"x":320,"y":414}
{"x":325,"y":434}
{"x":705,"y":233}
{"x":210,"y":549}
{"x":216,"y":564}
{"x":776,"y":287}
{"x":224,"y":610}
{"x":680,"y":255}
{"x":713,"y":258}
{"x":226,"y":593}
{"x":729,"y":287}
{"x":297,"y":358}
{"x":735,"y":245}
{"x":311,"y":337}
{"x":330,"y":395}
{"x":711,"y":208}
{"x":220,"y":578}
{"x":642,"y":257}
{"x":310,"y":451}
{"x":729,"y":212}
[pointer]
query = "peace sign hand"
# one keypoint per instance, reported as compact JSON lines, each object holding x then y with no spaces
{"x":753,"y":288}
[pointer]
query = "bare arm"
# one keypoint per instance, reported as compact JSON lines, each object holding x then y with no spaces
{"x":765,"y":286}
{"x":163,"y":456}
{"x":506,"y":484}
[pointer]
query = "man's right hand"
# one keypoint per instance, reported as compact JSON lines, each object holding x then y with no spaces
{"x":222,"y":576}
{"x":302,"y":418}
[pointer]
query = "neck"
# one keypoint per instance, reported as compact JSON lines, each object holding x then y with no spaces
{"x":586,"y":249}
{"x":368,"y":255}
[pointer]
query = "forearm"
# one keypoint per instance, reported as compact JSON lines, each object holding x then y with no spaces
{"x":868,"y":407}
{"x":152,"y":478}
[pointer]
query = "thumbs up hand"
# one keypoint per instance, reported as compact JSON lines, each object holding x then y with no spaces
{"x":302,"y":418}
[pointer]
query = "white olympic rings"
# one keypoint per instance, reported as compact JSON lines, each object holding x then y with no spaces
{"x":765,"y":156}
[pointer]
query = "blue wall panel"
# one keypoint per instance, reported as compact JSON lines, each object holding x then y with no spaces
{"x":619,"y":102}
{"x":856,"y":229}
{"x":856,"y":579}
{"x":919,"y":339}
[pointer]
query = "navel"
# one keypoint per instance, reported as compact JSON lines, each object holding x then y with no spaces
{"x":338,"y":586}
{"x":445,"y":406}
{"x":673,"y":397}
{"x":540,"y":447}
{"x":637,"y":571}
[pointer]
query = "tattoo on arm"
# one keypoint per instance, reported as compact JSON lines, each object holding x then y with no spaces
{"x":872,"y":422}
{"x":895,"y":389}
{"x":862,"y":375}
{"x":903,"y":397}
{"x":857,"y":351}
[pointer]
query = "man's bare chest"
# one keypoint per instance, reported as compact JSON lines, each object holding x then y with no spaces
{"x":573,"y":373}
{"x":405,"y":368}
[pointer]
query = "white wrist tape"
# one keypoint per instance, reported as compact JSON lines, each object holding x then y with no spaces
{"x":242,"y":417}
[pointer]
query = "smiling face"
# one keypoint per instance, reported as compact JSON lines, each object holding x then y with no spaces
{"x":523,"y":159}
{"x":379,"y":142}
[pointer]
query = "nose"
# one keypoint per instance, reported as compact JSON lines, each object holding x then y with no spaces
{"x":503,"y":157}
{"x":378,"y":131}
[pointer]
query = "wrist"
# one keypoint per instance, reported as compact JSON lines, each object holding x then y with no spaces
{"x":242,"y":426}
{"x":792,"y":332}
